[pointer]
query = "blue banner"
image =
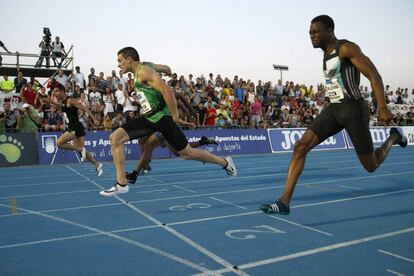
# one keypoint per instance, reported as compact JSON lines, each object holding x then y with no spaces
{"x":284,"y":139}
{"x":378,"y":134}
{"x":18,"y":149}
{"x":233,"y":141}
{"x":96,"y":142}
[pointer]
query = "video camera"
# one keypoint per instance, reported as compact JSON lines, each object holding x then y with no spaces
{"x":48,"y":35}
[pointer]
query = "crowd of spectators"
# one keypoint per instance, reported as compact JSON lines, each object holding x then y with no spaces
{"x":218,"y":101}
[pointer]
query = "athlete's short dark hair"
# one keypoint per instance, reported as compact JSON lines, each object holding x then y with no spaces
{"x":325,"y":20}
{"x":129,"y":52}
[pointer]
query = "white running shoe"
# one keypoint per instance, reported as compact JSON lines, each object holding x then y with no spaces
{"x":99,"y":169}
{"x":230,"y":167}
{"x":83,"y":154}
{"x":114,"y":190}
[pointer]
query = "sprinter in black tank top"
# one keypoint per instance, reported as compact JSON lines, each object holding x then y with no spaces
{"x":342,"y":63}
{"x":76,"y":131}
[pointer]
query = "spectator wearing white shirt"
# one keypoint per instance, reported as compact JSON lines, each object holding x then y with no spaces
{"x":122,"y":81}
{"x":79,"y":78}
{"x":120,"y":99}
{"x":95,"y":96}
{"x":109,"y":101}
{"x":61,"y":78}
{"x":210,"y":78}
{"x":58,"y":50}
{"x":392,"y":98}
{"x":285,"y":105}
{"x":130,"y":102}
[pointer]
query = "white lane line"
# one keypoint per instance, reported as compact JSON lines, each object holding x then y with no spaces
{"x":185,"y":189}
{"x":319,"y":250}
{"x":180,"y":236}
{"x":350,"y":187}
{"x":41,"y":183}
{"x":48,"y":240}
{"x":109,"y":234}
{"x":49,"y":194}
{"x":395,"y":272}
{"x":301,"y":225}
{"x":154,"y":179}
{"x":153,"y":191}
{"x":351,"y":198}
{"x":241,"y":177}
{"x":396,"y":256}
{"x":214,"y":218}
{"x":228,"y":203}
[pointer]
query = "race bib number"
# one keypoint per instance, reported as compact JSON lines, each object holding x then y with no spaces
{"x":334,"y":91}
{"x":143,"y":102}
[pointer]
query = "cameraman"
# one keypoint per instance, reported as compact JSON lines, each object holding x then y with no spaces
{"x":29,"y":119}
{"x":46,"y":48}
{"x":58,"y":50}
{"x":9,"y":118}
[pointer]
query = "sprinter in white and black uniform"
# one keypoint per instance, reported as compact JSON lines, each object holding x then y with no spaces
{"x":342,"y":64}
{"x":74,"y":137}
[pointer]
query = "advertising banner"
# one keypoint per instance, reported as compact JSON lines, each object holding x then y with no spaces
{"x":18,"y":149}
{"x":284,"y":139}
{"x":380,"y":134}
{"x":233,"y":141}
{"x":96,"y":142}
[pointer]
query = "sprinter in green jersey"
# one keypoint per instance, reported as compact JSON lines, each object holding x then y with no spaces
{"x":159,"y":109}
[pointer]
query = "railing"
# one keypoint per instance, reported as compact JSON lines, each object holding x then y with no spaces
{"x":18,"y":59}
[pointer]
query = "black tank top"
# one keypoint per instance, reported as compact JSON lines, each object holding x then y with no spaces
{"x":343,"y":72}
{"x":71,"y":112}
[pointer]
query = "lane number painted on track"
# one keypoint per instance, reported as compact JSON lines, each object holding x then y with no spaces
{"x":189,"y":207}
{"x":249,"y":234}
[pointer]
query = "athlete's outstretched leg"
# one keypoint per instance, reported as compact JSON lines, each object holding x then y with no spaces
{"x":190,"y":153}
{"x":118,"y":139}
{"x":308,"y":141}
{"x":301,"y":149}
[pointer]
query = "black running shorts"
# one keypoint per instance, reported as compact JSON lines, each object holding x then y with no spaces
{"x":353,"y":116}
{"x":78,"y":128}
{"x":141,"y":127}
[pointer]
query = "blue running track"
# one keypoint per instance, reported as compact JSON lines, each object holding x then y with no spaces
{"x":187,"y":218}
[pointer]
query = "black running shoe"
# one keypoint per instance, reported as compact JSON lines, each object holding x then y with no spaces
{"x":402,"y":139}
{"x":277,"y":207}
{"x":131,"y":177}
{"x":207,"y":141}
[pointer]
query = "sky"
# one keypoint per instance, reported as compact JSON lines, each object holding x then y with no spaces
{"x":243,"y":37}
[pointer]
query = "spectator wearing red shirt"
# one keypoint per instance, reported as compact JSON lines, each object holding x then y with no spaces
{"x":210,"y":115}
{"x":27,"y":94}
{"x":52,"y":84}
{"x":130,"y":82}
{"x":209,"y":89}
{"x":235,"y":110}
